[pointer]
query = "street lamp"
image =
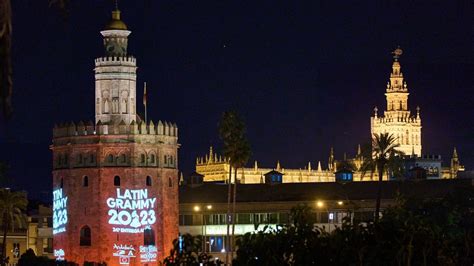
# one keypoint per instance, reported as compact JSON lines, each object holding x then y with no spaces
{"x":197,"y":208}
{"x":321,"y":205}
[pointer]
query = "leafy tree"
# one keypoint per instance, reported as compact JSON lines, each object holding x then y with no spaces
{"x":232,"y":131}
{"x":384,"y":158}
{"x":12,"y":207}
{"x":412,"y":232}
{"x":186,"y":252}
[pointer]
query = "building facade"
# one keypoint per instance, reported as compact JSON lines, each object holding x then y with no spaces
{"x":396,"y":120}
{"x":203,"y":208}
{"x":35,"y":232}
{"x":115,"y":181}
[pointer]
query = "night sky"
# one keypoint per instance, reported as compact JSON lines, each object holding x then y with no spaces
{"x":305,"y":76}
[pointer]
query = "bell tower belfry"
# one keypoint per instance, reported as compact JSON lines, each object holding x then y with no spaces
{"x":115,"y":76}
{"x":397,"y":119}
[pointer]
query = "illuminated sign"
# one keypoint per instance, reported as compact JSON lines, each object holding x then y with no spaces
{"x":131,"y":210}
{"x":331,"y":216}
{"x":124,"y":253}
{"x":59,"y":254}
{"x":148,"y":253}
{"x":59,"y":211}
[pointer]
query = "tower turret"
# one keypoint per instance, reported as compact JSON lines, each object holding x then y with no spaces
{"x":115,"y":76}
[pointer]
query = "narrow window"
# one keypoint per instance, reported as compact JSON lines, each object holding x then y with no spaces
{"x":166,"y":159}
{"x":117,"y":181}
{"x":62,"y":182}
{"x":110,"y":158}
{"x":142,"y":158}
{"x":152,"y":159}
{"x":85,"y":181}
{"x":123,"y":158}
{"x":85,"y":236}
{"x":91,"y":158}
{"x":148,"y":181}
{"x":170,"y":182}
{"x":148,"y":237}
{"x":65,"y":159}
{"x":79,"y":159}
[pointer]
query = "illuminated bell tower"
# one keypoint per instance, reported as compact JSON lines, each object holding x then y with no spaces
{"x":115,"y":181}
{"x":397,"y":119}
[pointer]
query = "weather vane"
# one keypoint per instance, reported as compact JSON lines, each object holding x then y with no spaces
{"x":397,"y":53}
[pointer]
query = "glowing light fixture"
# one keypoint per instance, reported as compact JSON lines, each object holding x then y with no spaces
{"x":197,"y":208}
{"x":320,"y":203}
{"x":209,"y":207}
{"x":340,"y":203}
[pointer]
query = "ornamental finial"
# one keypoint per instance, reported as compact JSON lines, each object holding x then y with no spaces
{"x":397,"y":53}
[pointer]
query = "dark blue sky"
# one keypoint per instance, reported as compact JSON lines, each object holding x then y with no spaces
{"x":305,"y":75}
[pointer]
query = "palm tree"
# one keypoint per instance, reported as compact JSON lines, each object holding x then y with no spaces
{"x":12,"y":206}
{"x":385,"y":158}
{"x":237,"y":151}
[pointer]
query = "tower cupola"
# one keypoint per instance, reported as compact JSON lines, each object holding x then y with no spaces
{"x":115,"y":36}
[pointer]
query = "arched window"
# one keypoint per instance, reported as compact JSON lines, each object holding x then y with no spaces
{"x":152,"y":159}
{"x":85,"y":181}
{"x":117,"y":181}
{"x":59,"y":160}
{"x":170,"y":182}
{"x":79,"y":159}
{"x":148,"y":237}
{"x":165,"y":159}
{"x":148,"y":181}
{"x":123,"y":158}
{"x":171,"y":160}
{"x":91,"y":158}
{"x":142,"y":158}
{"x":110,"y":158}
{"x":85,"y":236}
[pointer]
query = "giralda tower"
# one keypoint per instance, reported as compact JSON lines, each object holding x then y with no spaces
{"x":115,"y":181}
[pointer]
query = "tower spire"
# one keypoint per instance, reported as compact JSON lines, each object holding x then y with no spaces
{"x":397,"y":53}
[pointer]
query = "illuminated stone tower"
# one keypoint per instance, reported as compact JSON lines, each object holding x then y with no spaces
{"x":115,"y":181}
{"x":397,"y":119}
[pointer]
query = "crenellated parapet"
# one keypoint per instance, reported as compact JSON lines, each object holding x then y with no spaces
{"x":90,"y":129}
{"x":116,"y":60}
